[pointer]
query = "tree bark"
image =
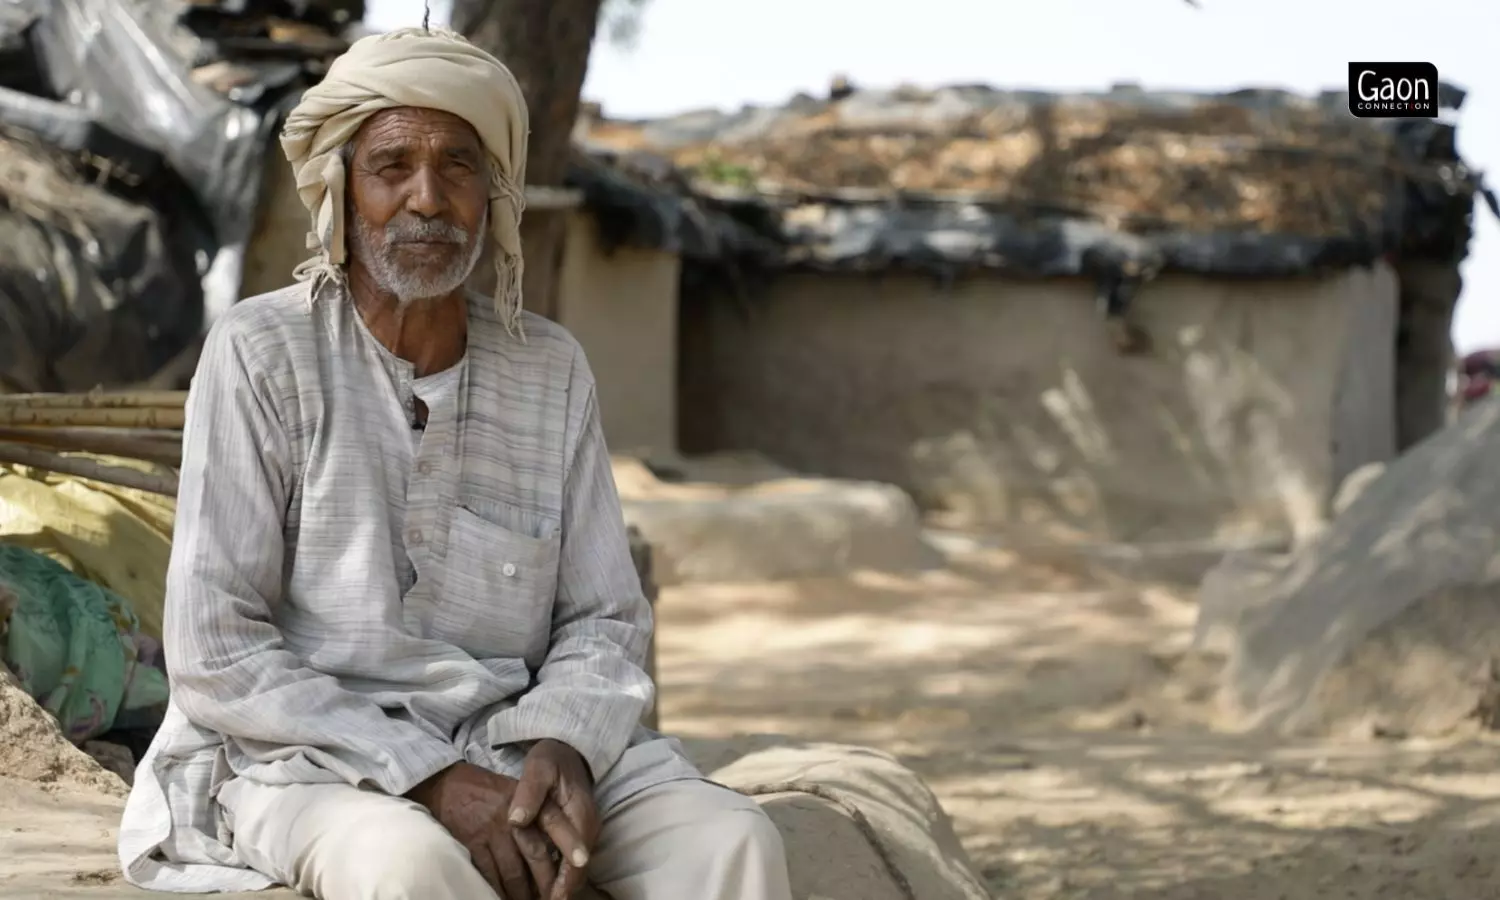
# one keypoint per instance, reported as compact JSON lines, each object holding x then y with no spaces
{"x":546,"y":44}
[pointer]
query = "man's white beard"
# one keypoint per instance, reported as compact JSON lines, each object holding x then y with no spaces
{"x":376,"y":251}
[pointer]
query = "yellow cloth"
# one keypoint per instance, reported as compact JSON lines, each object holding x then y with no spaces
{"x":436,"y":69}
{"x":115,"y":537}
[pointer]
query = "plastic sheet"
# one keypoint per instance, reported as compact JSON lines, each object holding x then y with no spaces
{"x":95,"y":288}
{"x":18,"y":65}
{"x":115,"y":85}
{"x":118,"y":538}
{"x":632,"y":210}
{"x":111,"y":59}
{"x":73,"y":130}
{"x":946,"y":239}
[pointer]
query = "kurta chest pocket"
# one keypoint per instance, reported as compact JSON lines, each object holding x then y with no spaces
{"x":498,"y":584}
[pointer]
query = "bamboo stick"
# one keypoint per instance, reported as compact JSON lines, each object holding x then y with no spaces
{"x":167,"y":451}
{"x":99,"y":400}
{"x":153,"y":482}
{"x":155,"y":417}
{"x":171,"y":436}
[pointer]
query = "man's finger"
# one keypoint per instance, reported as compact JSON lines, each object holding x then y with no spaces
{"x":515,"y":875}
{"x":569,"y":882}
{"x":578,"y":804}
{"x":564,"y":835}
{"x":538,"y":855}
{"x":480,"y":854}
{"x":537,"y":782}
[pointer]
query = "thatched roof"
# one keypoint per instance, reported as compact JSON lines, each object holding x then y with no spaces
{"x":1194,"y":172}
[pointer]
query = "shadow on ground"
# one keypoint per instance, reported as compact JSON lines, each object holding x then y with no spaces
{"x":1064,"y":726}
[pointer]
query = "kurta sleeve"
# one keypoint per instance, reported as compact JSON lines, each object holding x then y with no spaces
{"x":229,"y":668}
{"x":592,"y":688}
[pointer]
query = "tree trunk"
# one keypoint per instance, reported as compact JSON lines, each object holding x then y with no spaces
{"x":546,"y":44}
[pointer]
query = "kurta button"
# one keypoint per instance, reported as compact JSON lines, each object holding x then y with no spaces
{"x":414,"y":536}
{"x":509,"y":569}
{"x":424,"y":468}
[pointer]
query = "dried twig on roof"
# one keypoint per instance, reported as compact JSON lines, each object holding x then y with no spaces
{"x":1211,"y":164}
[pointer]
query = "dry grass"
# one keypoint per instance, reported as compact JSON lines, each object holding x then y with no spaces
{"x":1214,"y":165}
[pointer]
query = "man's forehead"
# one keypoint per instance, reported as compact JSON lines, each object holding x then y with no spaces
{"x":391,"y":129}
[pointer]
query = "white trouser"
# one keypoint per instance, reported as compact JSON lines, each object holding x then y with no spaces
{"x":683,"y":839}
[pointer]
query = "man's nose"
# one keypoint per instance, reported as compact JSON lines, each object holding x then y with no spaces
{"x":425,"y":197}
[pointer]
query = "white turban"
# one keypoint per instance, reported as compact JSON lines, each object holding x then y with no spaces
{"x":434,"y":69}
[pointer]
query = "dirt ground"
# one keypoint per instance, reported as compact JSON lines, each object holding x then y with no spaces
{"x":1055,"y":709}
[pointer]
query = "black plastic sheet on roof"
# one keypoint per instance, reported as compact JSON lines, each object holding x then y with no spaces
{"x":952,"y":238}
{"x":323,"y":13}
{"x":935,"y":236}
{"x":653,"y":210}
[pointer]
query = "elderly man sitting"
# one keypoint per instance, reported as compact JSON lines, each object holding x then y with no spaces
{"x":404,"y":632}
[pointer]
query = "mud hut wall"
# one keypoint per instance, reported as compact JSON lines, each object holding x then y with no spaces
{"x":1424,"y":347}
{"x":1367,"y":403}
{"x":278,"y":241}
{"x":1003,"y":404}
{"x":621,"y":305}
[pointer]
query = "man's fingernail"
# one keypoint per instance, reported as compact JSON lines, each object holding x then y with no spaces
{"x":580,"y":858}
{"x":518,"y":817}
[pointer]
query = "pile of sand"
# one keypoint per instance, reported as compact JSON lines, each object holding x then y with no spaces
{"x":740,"y":517}
{"x":32,"y":747}
{"x":1390,"y":621}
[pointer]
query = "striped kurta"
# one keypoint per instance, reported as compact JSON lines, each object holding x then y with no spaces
{"x":352,"y":600}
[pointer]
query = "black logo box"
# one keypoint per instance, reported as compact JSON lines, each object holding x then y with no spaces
{"x":1393,"y":90}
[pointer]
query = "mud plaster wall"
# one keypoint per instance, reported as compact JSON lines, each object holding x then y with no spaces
{"x":1367,"y":403}
{"x":622,"y":307}
{"x":1424,"y":347}
{"x":279,"y":241}
{"x":1003,"y":404}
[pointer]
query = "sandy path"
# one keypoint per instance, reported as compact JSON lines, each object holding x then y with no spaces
{"x":1056,"y":713}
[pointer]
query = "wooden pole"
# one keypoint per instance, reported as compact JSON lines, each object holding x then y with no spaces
{"x":99,"y":400}
{"x":164,"y":447}
{"x":152,"y":417}
{"x":37,"y":458}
